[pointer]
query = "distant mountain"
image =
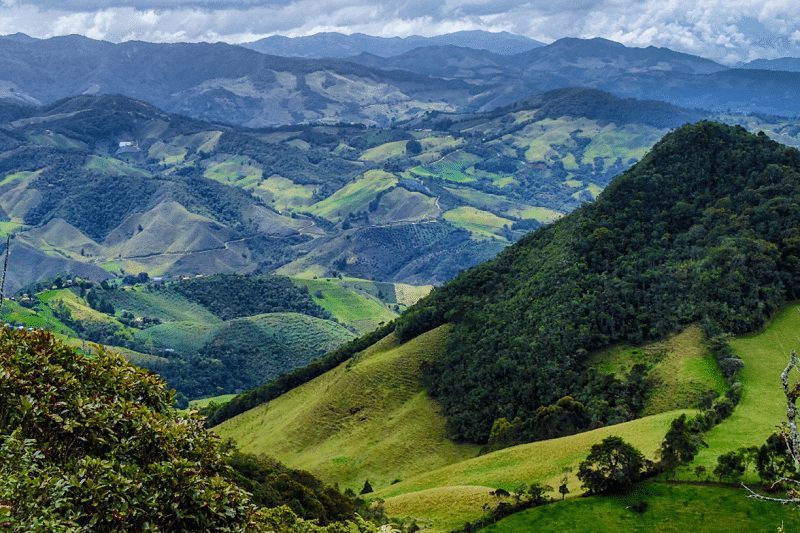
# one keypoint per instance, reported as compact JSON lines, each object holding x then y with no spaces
{"x":219,"y":82}
{"x":643,"y":73}
{"x":19,"y":37}
{"x":331,"y":44}
{"x":96,"y":184}
{"x":602,"y":57}
{"x":789,"y":64}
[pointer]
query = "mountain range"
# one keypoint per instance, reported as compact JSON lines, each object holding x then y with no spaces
{"x":105,"y":185}
{"x":331,"y":44}
{"x":236,"y":85}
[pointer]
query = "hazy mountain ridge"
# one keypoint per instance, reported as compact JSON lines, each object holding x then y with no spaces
{"x":339,"y":45}
{"x":232,"y":84}
{"x":218,"y":82}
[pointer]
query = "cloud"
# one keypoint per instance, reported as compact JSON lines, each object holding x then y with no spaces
{"x":719,"y":29}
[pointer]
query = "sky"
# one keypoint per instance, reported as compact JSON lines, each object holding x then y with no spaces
{"x":729,"y":31}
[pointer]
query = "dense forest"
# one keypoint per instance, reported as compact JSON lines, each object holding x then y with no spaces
{"x":233,"y":296}
{"x":705,"y":229}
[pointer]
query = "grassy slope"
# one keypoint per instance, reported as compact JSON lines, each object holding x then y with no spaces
{"x":763,"y":405}
{"x":364,"y":419}
{"x":481,"y":224}
{"x":356,"y":309}
{"x":204,"y":402}
{"x":671,"y":508}
{"x":355,"y":196}
{"x":459,"y":485}
{"x":682,"y":368}
{"x":762,"y":408}
{"x":358,"y":422}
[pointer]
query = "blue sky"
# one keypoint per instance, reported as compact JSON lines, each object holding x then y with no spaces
{"x":727,"y":31}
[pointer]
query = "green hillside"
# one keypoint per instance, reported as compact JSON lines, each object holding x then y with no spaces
{"x":670,"y":508}
{"x":367,"y":418}
{"x":680,"y":238}
{"x":206,"y":336}
{"x":763,"y":405}
{"x":346,"y":431}
{"x":604,"y":323}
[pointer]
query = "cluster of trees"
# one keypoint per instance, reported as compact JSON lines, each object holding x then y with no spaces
{"x":93,"y":443}
{"x":703,"y":230}
{"x":234,"y":295}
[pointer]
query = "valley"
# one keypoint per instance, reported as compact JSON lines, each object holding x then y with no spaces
{"x":473,"y":281}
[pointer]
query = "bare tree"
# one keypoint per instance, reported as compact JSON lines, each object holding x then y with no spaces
{"x":789,"y":432}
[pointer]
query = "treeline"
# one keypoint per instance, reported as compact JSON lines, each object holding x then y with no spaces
{"x":704,"y":229}
{"x":234,"y":295}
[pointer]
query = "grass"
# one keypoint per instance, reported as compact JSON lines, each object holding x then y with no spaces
{"x":504,"y":206}
{"x":42,"y":318}
{"x":671,"y":508}
{"x":541,"y":214}
{"x":542,"y":462}
{"x":400,"y":205}
{"x":682,"y":369}
{"x":481,"y":224}
{"x":112,"y":166}
{"x":367,"y":418}
{"x":357,"y":309}
{"x":8,"y":226}
{"x":167,"y":154}
{"x":183,"y":337}
{"x":237,"y":170}
{"x":763,"y":405}
{"x":204,"y":402}
{"x":452,"y":167}
{"x":166,"y":305}
{"x":408,"y":295}
{"x":370,"y":418}
{"x":384,"y":151}
{"x":355,"y":196}
{"x":24,"y":175}
{"x":283,"y":193}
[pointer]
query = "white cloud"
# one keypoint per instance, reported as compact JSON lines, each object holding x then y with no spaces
{"x":724,"y":30}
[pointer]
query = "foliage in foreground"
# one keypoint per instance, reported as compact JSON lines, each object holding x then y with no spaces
{"x":90,"y":442}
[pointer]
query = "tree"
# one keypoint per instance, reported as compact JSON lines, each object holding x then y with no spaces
{"x":93,"y":443}
{"x":537,"y":491}
{"x":680,"y":444}
{"x":367,"y":488}
{"x":699,"y":471}
{"x":729,"y":466}
{"x":612,"y":465}
{"x":563,"y":489}
{"x":413,"y":147}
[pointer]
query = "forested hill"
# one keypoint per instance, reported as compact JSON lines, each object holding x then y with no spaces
{"x":706,"y":228}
